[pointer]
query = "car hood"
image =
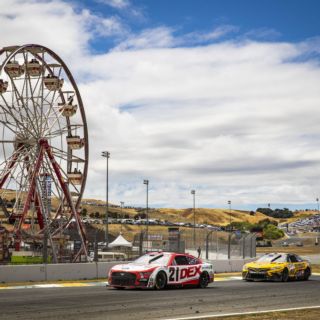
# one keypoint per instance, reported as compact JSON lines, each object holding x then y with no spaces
{"x":264,"y":265}
{"x":134,"y":267}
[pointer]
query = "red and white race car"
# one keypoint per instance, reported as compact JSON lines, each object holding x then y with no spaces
{"x":160,"y":269}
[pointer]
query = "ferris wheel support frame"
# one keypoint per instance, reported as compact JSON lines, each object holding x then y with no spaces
{"x":45,"y":147}
{"x":10,"y":166}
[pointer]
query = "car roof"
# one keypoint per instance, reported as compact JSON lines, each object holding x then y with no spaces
{"x":155,"y":253}
{"x":275,"y":254}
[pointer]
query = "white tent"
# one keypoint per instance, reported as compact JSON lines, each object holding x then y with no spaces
{"x":120,"y":242}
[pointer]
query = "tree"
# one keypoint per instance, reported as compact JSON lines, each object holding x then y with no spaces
{"x":272,"y":232}
{"x":83,"y":212}
{"x":266,"y":211}
{"x":140,"y":216}
{"x":242,"y":226}
{"x":277,"y":213}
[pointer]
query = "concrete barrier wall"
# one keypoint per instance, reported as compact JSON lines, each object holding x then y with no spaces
{"x":22,"y":273}
{"x":78,"y":271}
{"x":229,"y":265}
{"x":84,"y":271}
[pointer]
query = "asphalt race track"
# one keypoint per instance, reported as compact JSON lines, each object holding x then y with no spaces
{"x":106,"y":303}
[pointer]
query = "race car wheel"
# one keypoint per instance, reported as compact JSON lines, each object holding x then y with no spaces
{"x":203,"y":280}
{"x":307,"y":274}
{"x":285,"y":275}
{"x":161,"y":281}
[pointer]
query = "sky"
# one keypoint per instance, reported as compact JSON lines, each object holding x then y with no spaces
{"x":217,"y":96}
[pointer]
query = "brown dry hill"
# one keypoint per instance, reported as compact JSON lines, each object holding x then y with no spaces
{"x":219,"y":217}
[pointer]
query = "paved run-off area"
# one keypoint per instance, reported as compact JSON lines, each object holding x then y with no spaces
{"x":99,"y":302}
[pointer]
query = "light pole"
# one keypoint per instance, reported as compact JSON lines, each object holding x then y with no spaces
{"x":317,"y":239}
{"x":229,"y":203}
{"x":106,"y":155}
{"x":229,"y":237}
{"x":193,"y":192}
{"x":146,"y":182}
{"x":121,"y":204}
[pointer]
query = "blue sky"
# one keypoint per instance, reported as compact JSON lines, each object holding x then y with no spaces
{"x":218,"y":96}
{"x":273,"y":20}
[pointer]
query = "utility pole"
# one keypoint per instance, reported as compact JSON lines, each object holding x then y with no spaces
{"x":229,"y":237}
{"x":146,"y":182}
{"x":193,"y":192}
{"x":106,"y":155}
{"x":317,"y":239}
{"x":121,"y":204}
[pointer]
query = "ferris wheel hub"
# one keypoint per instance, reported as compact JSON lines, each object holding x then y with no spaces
{"x":24,"y":142}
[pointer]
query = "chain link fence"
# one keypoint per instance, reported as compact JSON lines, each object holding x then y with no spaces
{"x":208,"y":244}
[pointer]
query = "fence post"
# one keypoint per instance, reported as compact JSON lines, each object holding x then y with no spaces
{"x":207,"y":244}
{"x":229,"y":246}
{"x":251,"y":246}
{"x":253,"y":252}
{"x":217,"y":246}
{"x":95,"y":256}
{"x":244,"y":246}
{"x":141,"y":243}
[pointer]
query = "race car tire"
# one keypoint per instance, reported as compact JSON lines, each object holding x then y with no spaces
{"x":307,"y":274}
{"x":161,"y":281}
{"x":203,"y":280}
{"x":119,"y":288}
{"x":285,"y":275}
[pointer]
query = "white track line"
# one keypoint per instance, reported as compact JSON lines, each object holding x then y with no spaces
{"x":240,"y":313}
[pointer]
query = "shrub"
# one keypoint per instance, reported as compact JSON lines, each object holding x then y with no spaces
{"x":272,"y":232}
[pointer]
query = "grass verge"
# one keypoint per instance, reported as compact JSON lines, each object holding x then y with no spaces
{"x":310,"y":314}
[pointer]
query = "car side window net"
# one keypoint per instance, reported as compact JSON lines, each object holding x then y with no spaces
{"x":181,"y":260}
{"x":293,"y":259}
{"x":192,"y":261}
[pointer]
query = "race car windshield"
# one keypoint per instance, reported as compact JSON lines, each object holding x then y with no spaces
{"x":272,"y":258}
{"x":157,"y":259}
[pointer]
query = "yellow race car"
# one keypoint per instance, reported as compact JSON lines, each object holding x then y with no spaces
{"x":277,"y":266}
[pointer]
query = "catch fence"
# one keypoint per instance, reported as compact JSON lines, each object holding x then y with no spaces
{"x":208,"y":244}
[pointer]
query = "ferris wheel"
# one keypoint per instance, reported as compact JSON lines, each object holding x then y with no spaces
{"x":43,"y":146}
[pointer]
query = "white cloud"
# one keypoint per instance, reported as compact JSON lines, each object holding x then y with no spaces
{"x":164,"y":37}
{"x":56,"y":24}
{"x":108,"y":27}
{"x":160,"y":37}
{"x":118,"y":4}
{"x":234,"y":120}
{"x":126,"y":8}
{"x":217,"y":33}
